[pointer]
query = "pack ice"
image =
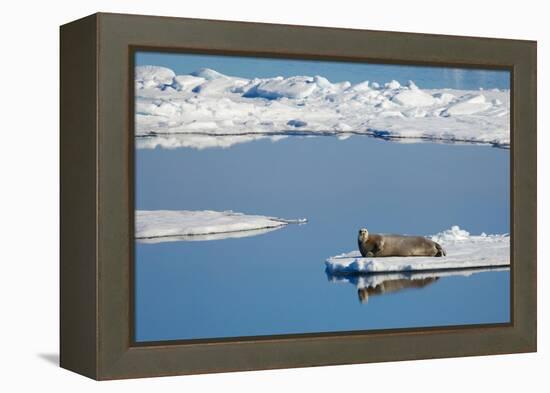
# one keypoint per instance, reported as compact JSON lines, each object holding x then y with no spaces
{"x":209,"y":109}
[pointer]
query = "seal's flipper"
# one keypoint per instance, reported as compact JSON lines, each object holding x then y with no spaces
{"x":440,"y":251}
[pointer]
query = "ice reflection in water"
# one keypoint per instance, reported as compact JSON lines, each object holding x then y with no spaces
{"x":369,"y":285}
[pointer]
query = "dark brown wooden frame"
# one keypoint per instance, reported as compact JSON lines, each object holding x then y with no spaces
{"x":96,"y":268}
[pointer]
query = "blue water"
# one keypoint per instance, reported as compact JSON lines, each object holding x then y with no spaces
{"x":275,"y":283}
{"x":255,"y":67}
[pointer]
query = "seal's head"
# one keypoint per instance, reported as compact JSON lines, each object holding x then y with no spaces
{"x":363,"y":234}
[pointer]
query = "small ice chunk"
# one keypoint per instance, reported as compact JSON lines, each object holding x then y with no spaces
{"x":476,"y":99}
{"x":149,"y":76}
{"x":453,"y":234}
{"x":342,"y":127}
{"x":392,"y":85}
{"x":295,"y":87}
{"x":322,"y":82}
{"x":444,"y":98}
{"x":208,"y":74}
{"x":468,"y":106}
{"x":362,"y":86}
{"x":415,"y":97}
{"x":187,"y":82}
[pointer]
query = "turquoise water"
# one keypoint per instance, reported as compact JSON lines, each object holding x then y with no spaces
{"x":275,"y":283}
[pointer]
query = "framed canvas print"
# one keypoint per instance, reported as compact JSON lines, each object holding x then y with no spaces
{"x":241,"y":196}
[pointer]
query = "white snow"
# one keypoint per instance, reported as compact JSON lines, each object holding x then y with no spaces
{"x":153,"y":77}
{"x":293,"y":87}
{"x":463,"y":251}
{"x":207,"y":73}
{"x":155,"y":226}
{"x":469,"y":106}
{"x":183,"y":110}
{"x":414,"y":98}
{"x":392,"y":85}
{"x":187,"y":82}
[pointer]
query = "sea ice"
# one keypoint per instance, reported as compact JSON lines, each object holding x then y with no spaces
{"x":154,"y":77}
{"x":463,"y":251}
{"x":154,"y":226}
{"x":207,"y":104}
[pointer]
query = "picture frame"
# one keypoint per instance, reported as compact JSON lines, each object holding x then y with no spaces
{"x":97,"y":196}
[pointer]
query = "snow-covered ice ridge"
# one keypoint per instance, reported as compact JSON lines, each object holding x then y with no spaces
{"x":463,"y":251}
{"x":208,"y":109}
{"x":156,"y":226}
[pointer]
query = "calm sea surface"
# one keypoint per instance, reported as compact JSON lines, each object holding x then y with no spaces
{"x":275,"y":283}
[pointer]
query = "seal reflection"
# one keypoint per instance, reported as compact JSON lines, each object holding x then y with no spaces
{"x":376,"y":284}
{"x":394,"y":285}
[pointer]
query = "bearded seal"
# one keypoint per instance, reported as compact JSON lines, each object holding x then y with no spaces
{"x":380,"y":245}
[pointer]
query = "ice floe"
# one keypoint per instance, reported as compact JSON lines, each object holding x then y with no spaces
{"x":208,"y":109}
{"x":156,"y":226}
{"x":463,"y":251}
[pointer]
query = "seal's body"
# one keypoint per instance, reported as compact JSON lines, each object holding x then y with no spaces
{"x":379,"y":245}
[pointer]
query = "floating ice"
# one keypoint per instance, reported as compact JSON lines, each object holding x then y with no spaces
{"x":463,"y":251}
{"x":154,"y":226}
{"x":207,"y":104}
